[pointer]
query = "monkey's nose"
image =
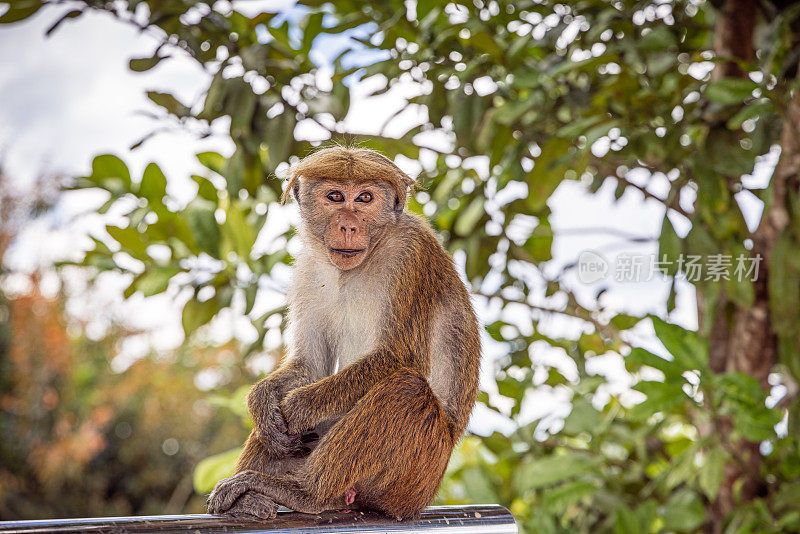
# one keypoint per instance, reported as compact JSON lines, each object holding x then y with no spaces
{"x":348,"y":229}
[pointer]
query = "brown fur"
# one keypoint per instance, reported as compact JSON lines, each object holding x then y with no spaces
{"x":356,"y":164}
{"x":387,"y":421}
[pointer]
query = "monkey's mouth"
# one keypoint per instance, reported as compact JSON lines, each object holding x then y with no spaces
{"x":348,"y":252}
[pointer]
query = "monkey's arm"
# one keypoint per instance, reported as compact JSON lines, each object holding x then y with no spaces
{"x":309,"y":405}
{"x":269,"y":427}
{"x":306,"y":364}
{"x":292,"y":374}
{"x":308,"y":361}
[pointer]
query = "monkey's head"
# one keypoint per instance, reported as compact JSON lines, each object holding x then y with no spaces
{"x":347,"y":198}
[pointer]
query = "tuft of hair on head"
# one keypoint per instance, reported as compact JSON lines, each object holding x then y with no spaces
{"x":344,"y":163}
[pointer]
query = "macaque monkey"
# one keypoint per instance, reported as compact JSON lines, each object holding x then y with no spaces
{"x":382,"y":370}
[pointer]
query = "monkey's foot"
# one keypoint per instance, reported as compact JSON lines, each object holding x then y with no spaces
{"x":350,"y":496}
{"x":228,"y":490}
{"x":252,"y":505}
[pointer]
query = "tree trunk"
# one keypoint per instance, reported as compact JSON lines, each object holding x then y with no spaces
{"x":733,"y":37}
{"x":743,"y":339}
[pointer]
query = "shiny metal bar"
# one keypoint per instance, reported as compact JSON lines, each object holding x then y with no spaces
{"x":479,"y":519}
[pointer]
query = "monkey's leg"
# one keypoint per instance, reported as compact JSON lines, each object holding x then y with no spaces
{"x":256,"y":456}
{"x":262,"y":481}
{"x":392,"y":448}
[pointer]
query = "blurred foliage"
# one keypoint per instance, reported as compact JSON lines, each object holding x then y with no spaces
{"x":649,"y":467}
{"x":80,"y":436}
{"x":81,"y":439}
{"x":528,"y":95}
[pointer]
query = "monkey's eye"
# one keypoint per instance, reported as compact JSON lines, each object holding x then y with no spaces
{"x":364,"y":197}
{"x":336,"y":196}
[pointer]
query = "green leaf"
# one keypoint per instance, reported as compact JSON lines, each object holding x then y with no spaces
{"x":312,"y":29}
{"x":511,"y":111}
{"x":756,"y":109}
{"x":670,"y":247}
{"x":142,"y":64}
{"x":684,"y":512}
{"x":559,"y":499}
{"x":155,"y":280}
{"x":684,"y":345}
{"x":168,"y":102}
{"x":623,"y":321}
{"x":279,"y":136}
{"x":211,"y":470}
{"x":683,"y":468}
{"x":540,"y":472}
{"x":239,"y":235}
{"x":730,"y":90}
{"x":199,"y":216}
{"x":19,"y":10}
{"x":154,"y":184}
{"x":580,"y":126}
{"x":196,"y":314}
{"x":241,"y":103}
{"x":478,"y":484}
{"x":658,"y":39}
{"x":582,"y":418}
{"x":485,"y":43}
{"x":215,"y":98}
{"x":110,"y":173}
{"x":469,"y":217}
{"x":250,"y":294}
{"x":213,"y":161}
{"x":784,"y":291}
{"x":661,"y":397}
{"x":640,"y":357}
{"x":626,"y":521}
{"x":206,"y":189}
{"x":540,"y":243}
{"x":546,"y":174}
{"x":712,"y":472}
{"x":235,"y":402}
{"x":130,"y":240}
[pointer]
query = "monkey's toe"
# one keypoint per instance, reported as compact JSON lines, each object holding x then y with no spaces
{"x":252,"y":505}
{"x":228,"y":490}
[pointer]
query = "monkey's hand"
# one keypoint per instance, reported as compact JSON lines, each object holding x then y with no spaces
{"x":298,"y":410}
{"x":270,"y":427}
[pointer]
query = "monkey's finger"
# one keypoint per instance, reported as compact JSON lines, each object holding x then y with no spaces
{"x":284,"y":441}
{"x":296,"y":442}
{"x":212,"y":504}
{"x":228,"y":490}
{"x":252,"y":504}
{"x":301,"y":452}
{"x":278,"y":419}
{"x":217,"y":502}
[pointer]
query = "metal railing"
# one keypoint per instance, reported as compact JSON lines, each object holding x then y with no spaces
{"x":479,"y":519}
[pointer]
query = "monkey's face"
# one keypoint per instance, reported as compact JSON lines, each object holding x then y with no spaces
{"x":348,"y":217}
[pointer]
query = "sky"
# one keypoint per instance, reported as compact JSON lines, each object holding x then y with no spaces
{"x":70,"y":96}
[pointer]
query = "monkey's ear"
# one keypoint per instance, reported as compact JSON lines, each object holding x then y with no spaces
{"x":296,"y":191}
{"x":398,"y":206}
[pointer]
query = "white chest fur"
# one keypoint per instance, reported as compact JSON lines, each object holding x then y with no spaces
{"x":346,"y":310}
